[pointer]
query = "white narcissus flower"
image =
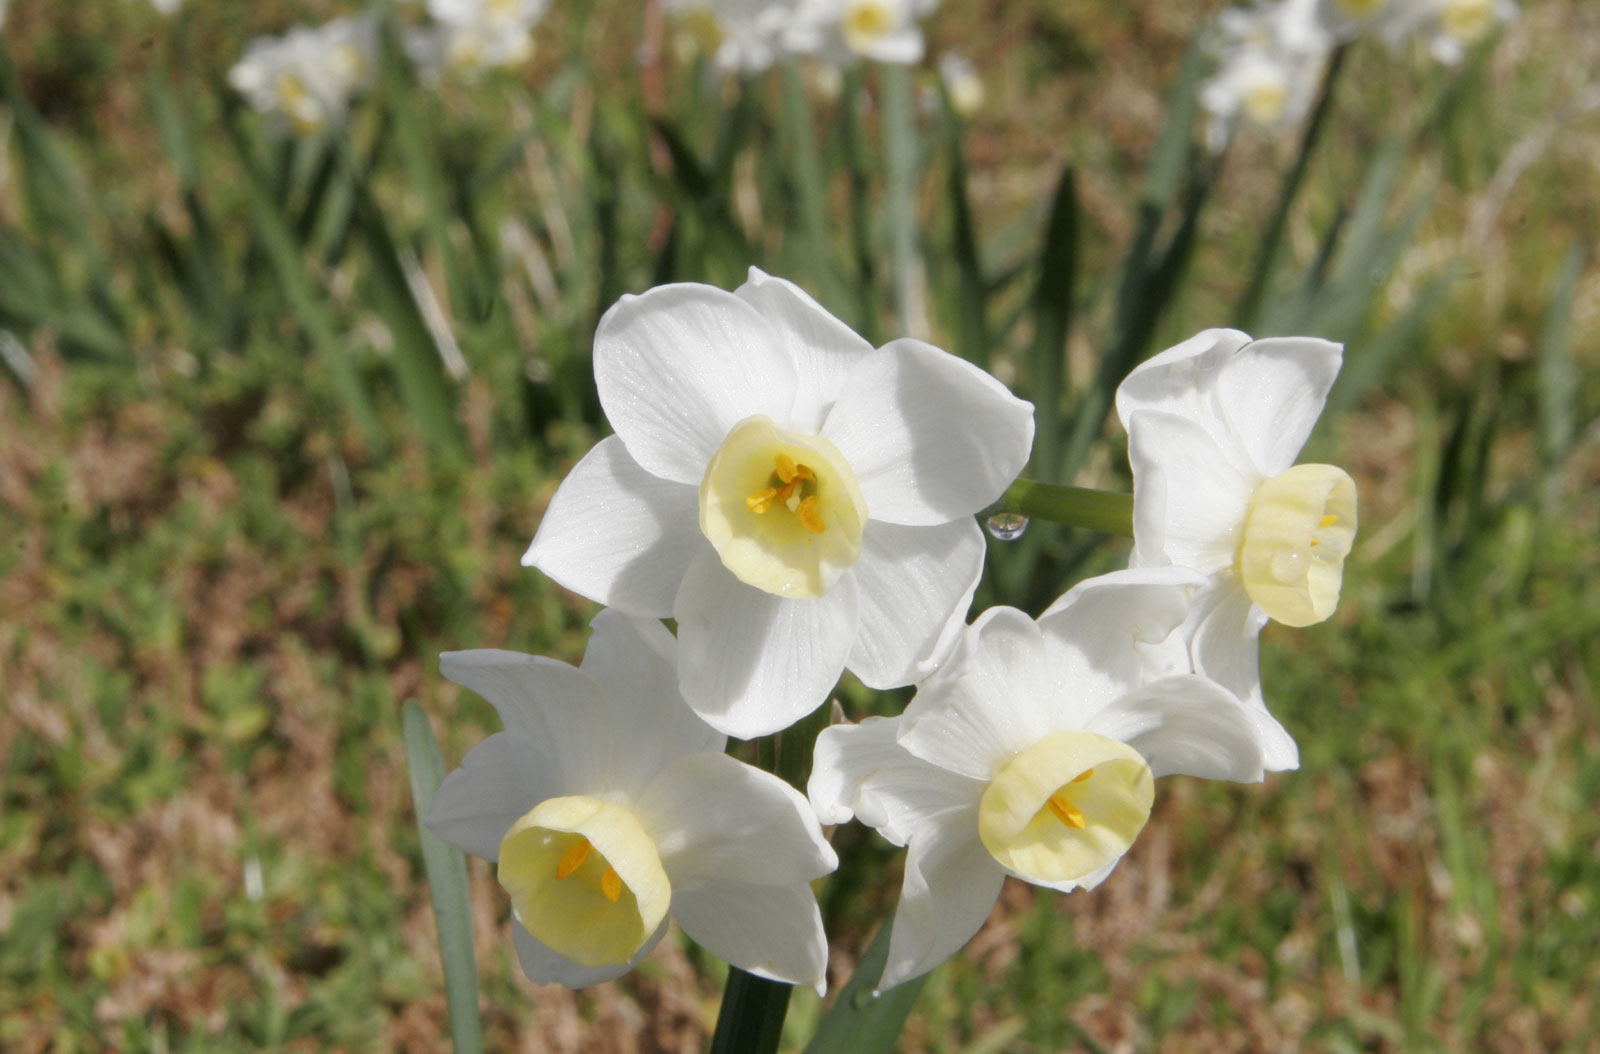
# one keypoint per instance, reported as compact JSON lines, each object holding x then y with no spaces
{"x":478,"y":34}
{"x":1214,"y":426}
{"x":1450,"y":27}
{"x":609,"y":806}
{"x":1032,"y":753}
{"x":306,"y":77}
{"x":799,"y":501}
{"x":746,"y":36}
{"x":1270,"y":59}
{"x":840,"y":32}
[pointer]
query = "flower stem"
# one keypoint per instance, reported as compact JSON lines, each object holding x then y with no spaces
{"x":1095,"y":510}
{"x":751,"y":1020}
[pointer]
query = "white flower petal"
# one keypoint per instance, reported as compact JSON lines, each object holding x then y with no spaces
{"x":634,"y":661}
{"x":1225,"y":645}
{"x":549,"y":709}
{"x":951,"y":885}
{"x":1179,"y":380}
{"x":1186,"y":725}
{"x":1112,"y":633}
{"x":544,"y":966}
{"x":714,"y":817}
{"x":916,"y":584}
{"x":751,"y":663}
{"x":679,"y":366}
{"x":824,"y":349}
{"x":991,"y":701}
{"x":863,"y":771}
{"x":770,"y":931}
{"x":1272,"y":392}
{"x":931,"y":437}
{"x":617,"y":534}
{"x":1189,"y":496}
{"x":496,"y":784}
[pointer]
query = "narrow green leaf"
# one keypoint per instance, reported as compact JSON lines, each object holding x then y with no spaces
{"x":971,"y":299}
{"x":810,"y":187}
{"x":301,"y":289}
{"x":900,"y":191}
{"x":446,"y":869}
{"x":1052,"y":319}
{"x":860,"y":1022}
{"x":1170,"y":157}
{"x":1267,"y":254}
{"x":1370,"y":362}
{"x":1558,"y":375}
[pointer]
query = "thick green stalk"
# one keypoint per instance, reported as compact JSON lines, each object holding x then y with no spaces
{"x":1094,"y":510}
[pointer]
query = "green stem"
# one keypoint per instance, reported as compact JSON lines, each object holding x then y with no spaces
{"x":1094,"y":510}
{"x":751,"y":1021}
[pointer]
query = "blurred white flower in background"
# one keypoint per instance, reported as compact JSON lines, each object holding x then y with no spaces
{"x":476,"y":34}
{"x":1033,"y":752}
{"x":1270,"y":59}
{"x":608,"y":807}
{"x":306,"y":78}
{"x":1450,"y":27}
{"x":962,"y":84}
{"x":841,"y":32}
{"x":746,"y":36}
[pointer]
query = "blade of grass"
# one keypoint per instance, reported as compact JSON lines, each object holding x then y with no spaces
{"x":810,"y":187}
{"x":971,"y":301}
{"x":300,"y":288}
{"x":446,"y":869}
{"x":1249,"y":307}
{"x":1558,"y":376}
{"x":900,"y":195}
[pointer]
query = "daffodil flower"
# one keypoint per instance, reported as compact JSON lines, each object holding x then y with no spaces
{"x":797,"y":500}
{"x":1214,"y":426}
{"x":843,"y":31}
{"x":608,"y":807}
{"x":305,"y":79}
{"x":1033,"y":753}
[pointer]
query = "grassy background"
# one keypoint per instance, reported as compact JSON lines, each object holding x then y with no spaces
{"x":247,"y":500}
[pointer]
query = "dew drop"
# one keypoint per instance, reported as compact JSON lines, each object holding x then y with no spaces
{"x":1007,"y":526}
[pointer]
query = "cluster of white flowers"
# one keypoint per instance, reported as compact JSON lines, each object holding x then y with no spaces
{"x":802,"y":503}
{"x":306,"y":78}
{"x":469,"y":35}
{"x":749,"y":35}
{"x":1270,"y":55}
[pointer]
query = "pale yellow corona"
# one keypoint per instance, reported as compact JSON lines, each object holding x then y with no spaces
{"x":1297,"y":533}
{"x":783,"y":510}
{"x":866,"y":22}
{"x":1264,"y":100}
{"x":1467,"y":21}
{"x":1066,"y":807}
{"x":585,"y":879}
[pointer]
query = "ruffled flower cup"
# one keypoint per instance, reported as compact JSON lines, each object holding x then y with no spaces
{"x":1033,"y":753}
{"x":609,"y":807}
{"x":799,"y":501}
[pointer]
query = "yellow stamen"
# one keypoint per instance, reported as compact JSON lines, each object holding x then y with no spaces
{"x":787,"y":469}
{"x":761,"y":500}
{"x":1066,"y":812}
{"x":1328,"y":520}
{"x":810,"y":517}
{"x":1080,"y":777}
{"x":573,"y":859}
{"x":611,"y":885}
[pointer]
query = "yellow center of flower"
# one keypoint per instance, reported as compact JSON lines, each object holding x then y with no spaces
{"x":1264,"y":99}
{"x":783,"y":510}
{"x":585,"y":879}
{"x":866,"y":22}
{"x":1296,"y":535}
{"x":1066,"y":807}
{"x":298,"y":104}
{"x":1467,"y":20}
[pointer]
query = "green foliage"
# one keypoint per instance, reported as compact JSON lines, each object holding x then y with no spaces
{"x":282,"y":415}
